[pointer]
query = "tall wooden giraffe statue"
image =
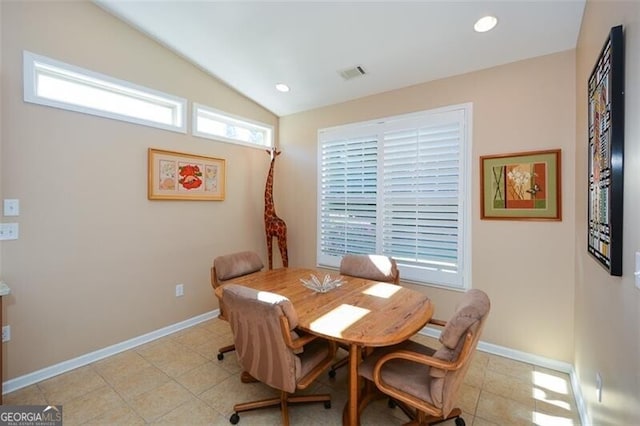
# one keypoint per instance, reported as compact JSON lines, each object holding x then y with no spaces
{"x":273,"y":225}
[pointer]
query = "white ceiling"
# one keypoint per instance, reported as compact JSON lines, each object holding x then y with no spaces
{"x":251,"y":46}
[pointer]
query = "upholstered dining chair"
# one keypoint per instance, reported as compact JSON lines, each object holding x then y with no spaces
{"x":228,"y":267}
{"x":271,"y":351}
{"x":423,"y":381}
{"x":372,"y":267}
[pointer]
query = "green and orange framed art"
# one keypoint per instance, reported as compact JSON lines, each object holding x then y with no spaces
{"x":521,"y":186}
{"x":180,"y":176}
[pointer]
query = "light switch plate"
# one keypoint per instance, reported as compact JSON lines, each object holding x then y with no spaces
{"x":11,"y":207}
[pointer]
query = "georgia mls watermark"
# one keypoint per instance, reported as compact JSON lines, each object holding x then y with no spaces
{"x":31,"y":415}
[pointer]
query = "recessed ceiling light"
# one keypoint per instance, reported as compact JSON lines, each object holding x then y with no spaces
{"x":485,"y":24}
{"x":281,"y":87}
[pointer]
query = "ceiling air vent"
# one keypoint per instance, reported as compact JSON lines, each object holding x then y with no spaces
{"x":354,"y":72}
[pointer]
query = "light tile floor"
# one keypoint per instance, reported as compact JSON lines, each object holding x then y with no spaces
{"x":177,"y":380}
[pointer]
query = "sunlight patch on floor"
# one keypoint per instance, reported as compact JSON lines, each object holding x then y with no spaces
{"x":549,"y":382}
{"x":541,"y":419}
{"x":541,"y":395}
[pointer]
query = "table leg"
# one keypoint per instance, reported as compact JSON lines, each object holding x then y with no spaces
{"x":354,"y":360}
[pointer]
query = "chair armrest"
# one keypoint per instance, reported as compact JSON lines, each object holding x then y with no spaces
{"x":214,"y":279}
{"x":311,"y":376}
{"x":301,"y":341}
{"x":425,"y":359}
{"x":218,"y":293}
{"x":399,"y":394}
{"x":413,"y":357}
{"x":439,"y":323}
{"x":291,"y":342}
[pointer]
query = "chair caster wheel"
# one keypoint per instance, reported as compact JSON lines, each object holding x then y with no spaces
{"x":391,"y":403}
{"x":220,"y":356}
{"x":327,"y":404}
{"x":460,"y":421}
{"x":332,"y":374}
{"x":234,"y":419}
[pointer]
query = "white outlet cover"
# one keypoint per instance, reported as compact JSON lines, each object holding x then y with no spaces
{"x":637,"y":271}
{"x":8,"y":231}
{"x":6,"y":333}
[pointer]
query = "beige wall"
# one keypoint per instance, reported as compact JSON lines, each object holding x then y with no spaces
{"x":525,"y":267}
{"x":96,"y":262}
{"x":608,"y":308}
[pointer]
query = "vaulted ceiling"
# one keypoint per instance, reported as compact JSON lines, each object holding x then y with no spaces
{"x":251,"y":46}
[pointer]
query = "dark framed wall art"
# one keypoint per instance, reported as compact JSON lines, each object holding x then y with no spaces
{"x":606,"y":149}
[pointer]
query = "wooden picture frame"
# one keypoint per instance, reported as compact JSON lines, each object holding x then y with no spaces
{"x":521,"y":186}
{"x":606,"y":152}
{"x":180,"y":176}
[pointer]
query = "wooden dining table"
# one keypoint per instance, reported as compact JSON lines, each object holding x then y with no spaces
{"x":360,"y":313}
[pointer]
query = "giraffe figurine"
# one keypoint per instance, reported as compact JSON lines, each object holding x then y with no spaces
{"x":273,"y":225}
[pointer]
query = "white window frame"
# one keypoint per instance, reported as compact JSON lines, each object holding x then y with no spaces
{"x":36,"y":66}
{"x":233,"y":120}
{"x":410,"y":273}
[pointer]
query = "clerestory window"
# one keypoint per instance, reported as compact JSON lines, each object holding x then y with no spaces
{"x":214,"y":124}
{"x":57,"y":84}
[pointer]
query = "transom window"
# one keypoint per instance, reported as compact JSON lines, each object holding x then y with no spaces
{"x":214,"y":124}
{"x":399,"y":187}
{"x":57,"y":84}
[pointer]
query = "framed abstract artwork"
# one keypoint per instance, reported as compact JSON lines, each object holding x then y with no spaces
{"x":521,"y":186}
{"x":606,"y":149}
{"x":180,"y":176}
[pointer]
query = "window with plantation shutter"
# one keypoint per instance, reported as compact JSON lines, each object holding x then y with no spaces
{"x":399,"y":187}
{"x":349,"y":185}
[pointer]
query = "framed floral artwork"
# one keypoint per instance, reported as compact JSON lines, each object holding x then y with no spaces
{"x":180,"y":176}
{"x":521,"y":186}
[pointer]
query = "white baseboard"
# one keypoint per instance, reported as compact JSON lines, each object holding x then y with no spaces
{"x":540,"y":361}
{"x":580,"y":402}
{"x":51,"y":371}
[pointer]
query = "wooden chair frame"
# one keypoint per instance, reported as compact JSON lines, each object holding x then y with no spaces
{"x":215,"y":284}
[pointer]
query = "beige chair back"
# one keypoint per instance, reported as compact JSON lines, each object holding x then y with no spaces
{"x":255,"y":321}
{"x":373,"y":267}
{"x":234,"y":265}
{"x":459,"y":340}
